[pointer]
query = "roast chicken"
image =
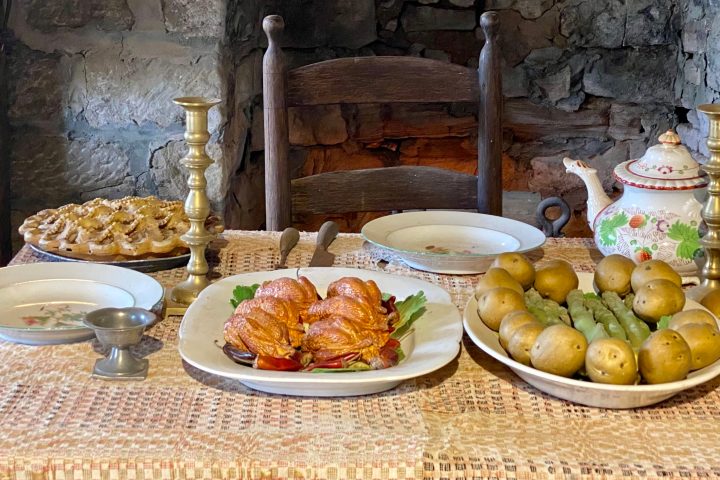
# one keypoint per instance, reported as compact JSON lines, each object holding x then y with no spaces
{"x":301,"y":292}
{"x":286,"y":317}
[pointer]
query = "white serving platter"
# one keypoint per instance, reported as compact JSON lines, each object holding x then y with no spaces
{"x":44,"y":303}
{"x":579,"y":391}
{"x":451,"y":242}
{"x":435,"y":340}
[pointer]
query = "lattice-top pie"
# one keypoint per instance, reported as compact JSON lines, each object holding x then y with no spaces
{"x":131,"y":227}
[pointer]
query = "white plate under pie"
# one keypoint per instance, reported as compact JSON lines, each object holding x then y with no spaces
{"x":451,"y":242}
{"x":44,"y":303}
{"x":579,"y":391}
{"x":435,"y":340}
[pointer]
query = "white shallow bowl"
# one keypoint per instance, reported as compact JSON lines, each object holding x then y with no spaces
{"x":434,"y":343}
{"x":579,"y":391}
{"x":451,"y":242}
{"x":44,"y":303}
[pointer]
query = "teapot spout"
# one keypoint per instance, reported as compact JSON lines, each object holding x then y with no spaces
{"x":597,"y":198}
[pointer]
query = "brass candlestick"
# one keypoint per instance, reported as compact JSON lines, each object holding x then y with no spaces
{"x":197,"y":204}
{"x":710,"y":273}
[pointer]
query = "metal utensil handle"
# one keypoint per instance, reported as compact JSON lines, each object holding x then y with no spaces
{"x":289,"y":238}
{"x":327,"y":233}
{"x":552,"y":228}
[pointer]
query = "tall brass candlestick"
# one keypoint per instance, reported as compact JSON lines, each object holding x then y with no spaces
{"x":711,"y":210}
{"x":197,"y":204}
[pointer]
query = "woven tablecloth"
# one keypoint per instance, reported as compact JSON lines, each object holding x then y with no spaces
{"x":471,"y":419}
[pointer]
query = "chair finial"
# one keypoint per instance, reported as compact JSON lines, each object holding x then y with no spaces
{"x":490,"y":22}
{"x":273,"y":26}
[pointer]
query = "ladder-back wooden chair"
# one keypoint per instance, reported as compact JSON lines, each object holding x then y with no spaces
{"x":382,"y":80}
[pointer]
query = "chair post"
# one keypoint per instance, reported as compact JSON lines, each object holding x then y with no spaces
{"x":490,"y":119}
{"x":278,"y":203}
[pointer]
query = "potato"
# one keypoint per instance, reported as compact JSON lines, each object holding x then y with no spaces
{"x":496,"y":277}
{"x":555,"y":279}
{"x":560,"y":350}
{"x":494,"y":304}
{"x":658,"y":298}
{"x":518,"y":266}
{"x":652,"y":270}
{"x":704,"y":343}
{"x":711,"y":301}
{"x":664,"y":357}
{"x":511,"y":322}
{"x":613,"y":273}
{"x":611,"y":360}
{"x":522,"y":341}
{"x":694,"y":315}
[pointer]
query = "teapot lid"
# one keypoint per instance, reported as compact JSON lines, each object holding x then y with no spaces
{"x":665,"y":166}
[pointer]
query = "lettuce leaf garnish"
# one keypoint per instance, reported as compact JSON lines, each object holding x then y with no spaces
{"x":409,"y":310}
{"x":242,"y":293}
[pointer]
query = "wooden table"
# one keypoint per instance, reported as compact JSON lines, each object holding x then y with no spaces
{"x":471,"y":419}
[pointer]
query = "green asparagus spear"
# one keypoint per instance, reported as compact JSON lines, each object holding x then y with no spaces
{"x":637,"y":330}
{"x":628,"y":300}
{"x":606,"y":317}
{"x":545,"y":313}
{"x":583,"y":318}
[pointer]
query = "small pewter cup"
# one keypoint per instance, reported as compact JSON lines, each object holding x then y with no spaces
{"x":119,"y":329}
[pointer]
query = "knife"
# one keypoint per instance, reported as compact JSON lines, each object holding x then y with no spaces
{"x":289,"y":238}
{"x":327,"y":233}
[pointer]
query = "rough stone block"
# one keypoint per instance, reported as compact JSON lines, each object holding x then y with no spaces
{"x":54,"y":170}
{"x":331,"y":159}
{"x":694,"y":70}
{"x":694,"y":36}
{"x":633,"y":75}
{"x":713,"y":55}
{"x":462,"y":3}
{"x":421,"y":19}
{"x":556,"y":86}
{"x":195,"y":18}
{"x":519,"y":36}
{"x":107,"y":15}
{"x":318,"y":23}
{"x":319,"y":125}
{"x":649,"y":22}
{"x":527,"y":8}
{"x":37,"y":87}
{"x":461,"y":47}
{"x":594,"y":24}
{"x":170,"y":176}
{"x":140,"y":91}
{"x":515,"y":82}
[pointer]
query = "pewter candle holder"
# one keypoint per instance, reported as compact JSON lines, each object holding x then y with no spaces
{"x":710,"y":213}
{"x":197,"y":204}
{"x":120,"y":329}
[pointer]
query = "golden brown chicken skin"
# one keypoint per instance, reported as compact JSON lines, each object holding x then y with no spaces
{"x":282,"y":310}
{"x":353,"y":287}
{"x":357,"y":311}
{"x":300,"y":292}
{"x":335,"y":336}
{"x":260,"y":333}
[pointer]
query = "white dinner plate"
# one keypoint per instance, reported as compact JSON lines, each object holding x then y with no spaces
{"x":451,"y":242}
{"x":45,"y":303}
{"x":434,"y":342}
{"x":579,"y":391}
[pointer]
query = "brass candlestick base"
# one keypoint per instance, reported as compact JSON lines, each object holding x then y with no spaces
{"x":197,"y":204}
{"x":711,"y":210}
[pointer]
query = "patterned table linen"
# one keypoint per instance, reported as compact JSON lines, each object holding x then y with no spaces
{"x":472,"y":419}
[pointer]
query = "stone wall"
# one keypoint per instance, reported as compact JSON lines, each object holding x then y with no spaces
{"x":92,"y":83}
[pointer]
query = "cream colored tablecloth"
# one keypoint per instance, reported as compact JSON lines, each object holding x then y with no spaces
{"x":471,"y":419}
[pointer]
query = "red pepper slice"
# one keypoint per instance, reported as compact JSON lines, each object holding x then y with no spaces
{"x":263,"y":362}
{"x":392,"y":343}
{"x":341,"y":361}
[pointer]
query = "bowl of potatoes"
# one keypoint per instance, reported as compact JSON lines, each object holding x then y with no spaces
{"x":625,"y":336}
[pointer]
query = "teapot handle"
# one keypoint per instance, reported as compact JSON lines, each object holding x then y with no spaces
{"x":552,"y":228}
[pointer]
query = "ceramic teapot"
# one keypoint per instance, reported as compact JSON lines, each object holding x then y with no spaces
{"x":658,"y":215}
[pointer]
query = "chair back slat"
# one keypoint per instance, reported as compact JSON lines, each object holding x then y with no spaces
{"x":381,"y":80}
{"x":383,"y":189}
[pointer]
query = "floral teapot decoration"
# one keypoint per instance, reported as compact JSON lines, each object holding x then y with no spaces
{"x":658,"y":215}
